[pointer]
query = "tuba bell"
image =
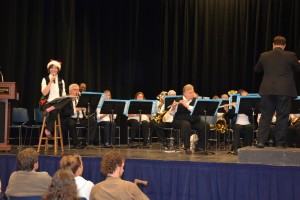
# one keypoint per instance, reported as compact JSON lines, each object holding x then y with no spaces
{"x":221,"y":125}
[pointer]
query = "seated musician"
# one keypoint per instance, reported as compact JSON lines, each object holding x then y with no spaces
{"x":164,"y":121}
{"x":293,"y":131}
{"x":271,"y":140}
{"x":77,"y":116}
{"x":183,"y":120}
{"x":108,"y":124}
{"x":242,"y":127}
{"x":134,"y":122}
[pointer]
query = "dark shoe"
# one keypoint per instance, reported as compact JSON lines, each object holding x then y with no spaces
{"x":146,"y":146}
{"x":132,"y":145}
{"x":188,"y":151}
{"x":198,"y":149}
{"x":165,"y":147}
{"x":233,"y":152}
{"x":176,"y":148}
{"x":107,"y":146}
{"x":260,"y":145}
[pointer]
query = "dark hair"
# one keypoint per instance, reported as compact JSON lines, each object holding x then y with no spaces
{"x":63,"y":186}
{"x":138,"y":93}
{"x":279,"y":40}
{"x":26,"y":159}
{"x":71,"y":162}
{"x":110,"y":161}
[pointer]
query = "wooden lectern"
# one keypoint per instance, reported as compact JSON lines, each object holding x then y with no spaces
{"x":7,"y":92}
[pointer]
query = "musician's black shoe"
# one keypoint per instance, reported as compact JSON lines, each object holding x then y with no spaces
{"x":188,"y":151}
{"x":132,"y":145}
{"x":146,"y":145}
{"x":260,"y":145}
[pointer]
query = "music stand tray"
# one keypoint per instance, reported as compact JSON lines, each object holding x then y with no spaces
{"x":90,"y":100}
{"x":223,"y":102}
{"x":170,"y":99}
{"x":141,"y":107}
{"x":247,"y":105}
{"x":295,"y":108}
{"x":206,"y":107}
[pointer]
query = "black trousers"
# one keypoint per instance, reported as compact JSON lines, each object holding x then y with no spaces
{"x":52,"y":116}
{"x":293,"y":135}
{"x":186,"y":127}
{"x":268,"y":105}
{"x":70,"y":124}
{"x":109,"y":131}
{"x":144,"y":128}
{"x":244,"y":131}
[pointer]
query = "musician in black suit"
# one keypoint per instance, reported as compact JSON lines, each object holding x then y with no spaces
{"x":181,"y":109}
{"x":277,"y":90}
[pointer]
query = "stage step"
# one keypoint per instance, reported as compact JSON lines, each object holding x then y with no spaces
{"x":269,"y":156}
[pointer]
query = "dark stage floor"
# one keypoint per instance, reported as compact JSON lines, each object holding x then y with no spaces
{"x":153,"y":153}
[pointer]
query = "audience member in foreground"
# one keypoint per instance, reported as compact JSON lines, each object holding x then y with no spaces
{"x":113,"y":187}
{"x":26,"y":181}
{"x":75,"y":165}
{"x":62,"y":186}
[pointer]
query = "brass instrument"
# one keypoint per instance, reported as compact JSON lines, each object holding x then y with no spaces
{"x":158,"y":118}
{"x":294,"y":120}
{"x":221,"y":125}
{"x":231,"y":92}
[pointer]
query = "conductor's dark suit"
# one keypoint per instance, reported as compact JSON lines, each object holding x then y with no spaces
{"x":277,"y":90}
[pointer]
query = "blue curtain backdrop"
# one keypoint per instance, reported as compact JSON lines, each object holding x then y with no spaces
{"x":189,"y":180}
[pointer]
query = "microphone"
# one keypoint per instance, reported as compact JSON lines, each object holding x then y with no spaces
{"x":2,"y":79}
{"x":54,"y":79}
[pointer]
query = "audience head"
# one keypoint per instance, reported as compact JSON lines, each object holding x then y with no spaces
{"x":54,"y":67}
{"x":74,"y":89}
{"x":62,"y":186}
{"x":188,"y":91}
{"x":139,"y":96}
{"x":82,"y":87}
{"x":112,"y":164}
{"x":172,"y":93}
{"x":72,"y":163}
{"x":108,"y":94}
{"x":27,"y":160}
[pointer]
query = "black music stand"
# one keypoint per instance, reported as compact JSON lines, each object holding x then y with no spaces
{"x":111,"y":107}
{"x":170,"y":99}
{"x":90,"y":101}
{"x":223,"y":102}
{"x":140,"y":107}
{"x":206,"y":107}
{"x":295,"y":108}
{"x":248,"y":105}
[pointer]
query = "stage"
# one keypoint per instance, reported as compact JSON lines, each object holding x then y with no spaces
{"x":176,"y":175}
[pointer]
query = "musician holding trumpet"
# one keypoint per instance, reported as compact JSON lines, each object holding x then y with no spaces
{"x":183,"y":120}
{"x":76,"y":116}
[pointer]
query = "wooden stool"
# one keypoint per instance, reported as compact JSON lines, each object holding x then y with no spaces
{"x":57,"y":135}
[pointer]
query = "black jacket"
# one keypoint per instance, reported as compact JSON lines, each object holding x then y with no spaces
{"x":278,"y":67}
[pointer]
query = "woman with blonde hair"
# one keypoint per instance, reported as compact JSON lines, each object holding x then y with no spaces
{"x":75,"y":165}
